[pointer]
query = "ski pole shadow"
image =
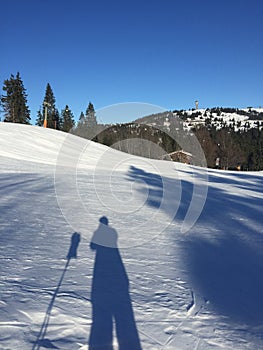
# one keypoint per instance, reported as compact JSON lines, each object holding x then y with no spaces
{"x":111,"y":302}
{"x":41,"y":340}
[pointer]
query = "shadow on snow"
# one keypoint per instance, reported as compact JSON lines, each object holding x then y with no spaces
{"x":41,"y":340}
{"x":110,"y":297}
{"x":223,"y":253}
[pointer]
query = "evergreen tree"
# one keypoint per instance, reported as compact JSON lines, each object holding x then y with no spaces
{"x":49,"y":110}
{"x":209,"y":146}
{"x":67,"y":119}
{"x":229,"y":151}
{"x":40,"y":118}
{"x":87,"y":126}
{"x":91,"y":124}
{"x":14,"y":102}
{"x":79,"y":129}
{"x":91,"y":120}
{"x":82,"y":118}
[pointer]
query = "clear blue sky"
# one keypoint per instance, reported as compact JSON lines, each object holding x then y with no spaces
{"x":166,"y":52}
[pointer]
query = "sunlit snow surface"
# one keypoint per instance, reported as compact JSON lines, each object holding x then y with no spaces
{"x":198,"y":288}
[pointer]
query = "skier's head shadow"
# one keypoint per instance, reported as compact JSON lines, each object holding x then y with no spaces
{"x":110,"y":294}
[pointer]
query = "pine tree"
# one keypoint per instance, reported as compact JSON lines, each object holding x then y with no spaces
{"x":49,"y":110}
{"x":91,"y":119}
{"x":80,"y":128}
{"x":91,"y":124}
{"x":14,"y":102}
{"x":82,"y":118}
{"x":40,"y":118}
{"x":87,"y":126}
{"x":67,"y":119}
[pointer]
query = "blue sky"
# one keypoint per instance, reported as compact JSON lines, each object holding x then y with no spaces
{"x":167,"y":52}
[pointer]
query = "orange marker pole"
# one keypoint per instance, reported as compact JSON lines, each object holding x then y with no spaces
{"x":45,"y":120}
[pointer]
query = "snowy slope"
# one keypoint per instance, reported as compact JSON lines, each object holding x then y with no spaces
{"x":190,"y":240}
{"x":238,"y":120}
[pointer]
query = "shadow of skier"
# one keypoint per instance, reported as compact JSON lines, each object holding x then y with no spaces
{"x":41,"y":341}
{"x":110,"y":295}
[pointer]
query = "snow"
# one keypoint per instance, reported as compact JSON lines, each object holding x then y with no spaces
{"x":190,"y":241}
{"x":230,"y":119}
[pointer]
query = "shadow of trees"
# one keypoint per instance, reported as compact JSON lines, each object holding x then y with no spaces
{"x":223,"y":253}
{"x":173,"y":196}
{"x":225,"y":264}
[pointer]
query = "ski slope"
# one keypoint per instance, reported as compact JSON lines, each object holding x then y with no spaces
{"x":190,"y":243}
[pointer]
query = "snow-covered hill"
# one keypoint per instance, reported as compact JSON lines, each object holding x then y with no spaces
{"x":190,"y":241}
{"x":236,"y":119}
{"x":239,"y":120}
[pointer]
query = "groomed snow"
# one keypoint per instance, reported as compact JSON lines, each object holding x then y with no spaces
{"x":190,"y":240}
